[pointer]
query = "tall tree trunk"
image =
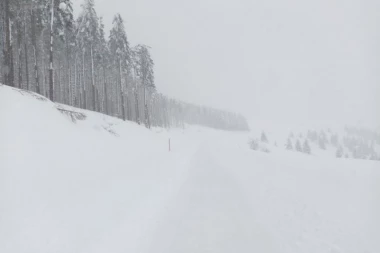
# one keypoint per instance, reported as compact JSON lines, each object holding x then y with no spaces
{"x":35,"y":50}
{"x":68,"y":72}
{"x":105,"y":88}
{"x":60,"y":91}
{"x":8,"y":61}
{"x":26,"y":55}
{"x":128,"y":104}
{"x":43,"y":65}
{"x":136,"y":103}
{"x":73,"y":93}
{"x":19,"y":39}
{"x":51,"y":74}
{"x":79,"y":86}
{"x":146,"y":111}
{"x":84,"y":83}
{"x":121,"y":92}
{"x":93,"y":82}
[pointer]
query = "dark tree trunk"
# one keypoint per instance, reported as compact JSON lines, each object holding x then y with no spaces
{"x":19,"y":39}
{"x":51,"y":71}
{"x":68,"y":85}
{"x":121,"y":92}
{"x":8,"y":61}
{"x":26,"y":56}
{"x":35,"y":50}
{"x":84,"y":83}
{"x":93,"y":82}
{"x":74,"y":88}
{"x":146,"y":111}
{"x":105,"y":89}
{"x":137,"y":106}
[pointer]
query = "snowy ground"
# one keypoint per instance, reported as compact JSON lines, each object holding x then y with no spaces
{"x":75,"y":187}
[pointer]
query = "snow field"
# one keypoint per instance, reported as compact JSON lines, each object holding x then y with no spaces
{"x":76,"y":187}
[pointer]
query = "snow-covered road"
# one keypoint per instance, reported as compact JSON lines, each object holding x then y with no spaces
{"x":210,"y":213}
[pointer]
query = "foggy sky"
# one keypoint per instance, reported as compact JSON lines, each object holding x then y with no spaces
{"x":280,"y":60}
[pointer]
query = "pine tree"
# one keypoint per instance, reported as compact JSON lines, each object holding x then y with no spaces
{"x":306,"y":147}
{"x":61,"y":18}
{"x":119,"y":48}
{"x":145,"y":72}
{"x":104,"y":58}
{"x":289,"y":145}
{"x":264,"y":137}
{"x":36,"y":17}
{"x":89,"y":40}
{"x":134,"y":72}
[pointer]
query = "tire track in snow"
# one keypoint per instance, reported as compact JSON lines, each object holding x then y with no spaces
{"x":209,"y":214}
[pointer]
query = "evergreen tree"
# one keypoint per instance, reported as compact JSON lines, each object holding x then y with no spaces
{"x":104,"y":58}
{"x":306,"y":147}
{"x":121,"y":53}
{"x":145,"y":72}
{"x":38,"y":24}
{"x":289,"y":145}
{"x":89,"y":39}
{"x":264,"y":137}
{"x":61,"y":18}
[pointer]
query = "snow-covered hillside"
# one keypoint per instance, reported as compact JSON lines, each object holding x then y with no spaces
{"x":100,"y":184}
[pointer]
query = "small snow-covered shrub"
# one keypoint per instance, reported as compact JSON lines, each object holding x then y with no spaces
{"x":253,"y":144}
{"x":256,"y":145}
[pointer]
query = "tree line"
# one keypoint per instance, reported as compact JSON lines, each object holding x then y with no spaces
{"x":70,"y":61}
{"x":356,"y":143}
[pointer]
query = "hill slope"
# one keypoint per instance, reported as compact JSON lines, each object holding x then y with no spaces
{"x":103,"y":185}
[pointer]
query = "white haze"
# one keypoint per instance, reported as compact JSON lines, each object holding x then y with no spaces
{"x":283,"y":61}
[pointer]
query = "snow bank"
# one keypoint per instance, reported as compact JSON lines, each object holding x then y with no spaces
{"x":105,"y":185}
{"x":70,"y":187}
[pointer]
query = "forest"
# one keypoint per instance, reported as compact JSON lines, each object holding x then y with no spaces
{"x":45,"y":49}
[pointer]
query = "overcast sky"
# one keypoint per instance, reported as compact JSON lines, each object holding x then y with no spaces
{"x":290,"y":60}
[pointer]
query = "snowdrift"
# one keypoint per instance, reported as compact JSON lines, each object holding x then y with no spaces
{"x":94,"y":183}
